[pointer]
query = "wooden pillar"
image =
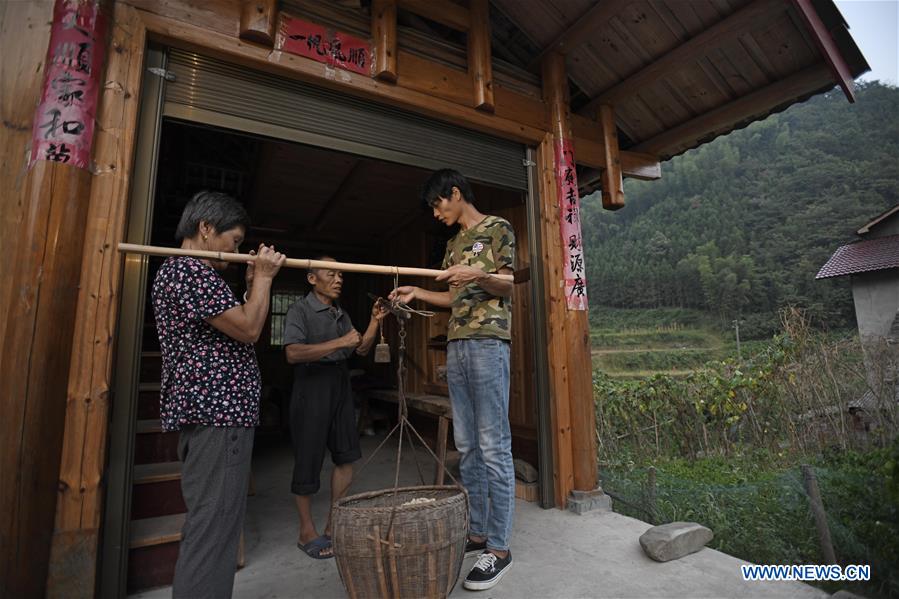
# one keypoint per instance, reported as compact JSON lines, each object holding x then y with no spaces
{"x":80,"y":492}
{"x":43,"y":277}
{"x":480,"y":67}
{"x":611,"y":177}
{"x":383,"y":33}
{"x":560,"y":414}
{"x":258,"y":20}
{"x":574,"y":345}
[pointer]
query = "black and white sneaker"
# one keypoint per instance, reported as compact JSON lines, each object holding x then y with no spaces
{"x":487,"y":571}
{"x":475,"y":547}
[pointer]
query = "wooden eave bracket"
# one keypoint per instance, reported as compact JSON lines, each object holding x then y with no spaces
{"x":257,"y":21}
{"x":612,"y":179}
{"x":383,"y":34}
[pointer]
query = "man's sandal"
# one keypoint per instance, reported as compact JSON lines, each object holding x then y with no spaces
{"x":316,"y":547}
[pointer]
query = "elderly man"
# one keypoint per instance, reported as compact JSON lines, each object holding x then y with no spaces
{"x":318,"y":339}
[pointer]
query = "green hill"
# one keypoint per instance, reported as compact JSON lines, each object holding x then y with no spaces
{"x":740,"y":226}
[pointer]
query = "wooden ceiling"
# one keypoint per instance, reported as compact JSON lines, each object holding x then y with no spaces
{"x":680,"y":73}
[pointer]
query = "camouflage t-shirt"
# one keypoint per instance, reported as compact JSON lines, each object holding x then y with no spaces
{"x":489,"y":246}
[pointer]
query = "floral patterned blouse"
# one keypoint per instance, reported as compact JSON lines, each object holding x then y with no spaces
{"x":208,"y":378}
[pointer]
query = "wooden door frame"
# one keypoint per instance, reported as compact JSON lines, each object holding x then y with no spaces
{"x":80,"y":500}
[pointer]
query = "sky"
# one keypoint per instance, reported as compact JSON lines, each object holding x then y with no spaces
{"x":874,"y":25}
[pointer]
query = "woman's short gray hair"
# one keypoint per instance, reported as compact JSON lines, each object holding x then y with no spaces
{"x":215,"y":208}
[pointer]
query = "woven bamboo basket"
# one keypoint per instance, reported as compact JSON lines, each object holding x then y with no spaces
{"x":386,"y":549}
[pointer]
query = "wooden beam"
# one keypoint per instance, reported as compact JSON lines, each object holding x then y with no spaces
{"x":689,"y":51}
{"x":722,"y":119}
{"x":634,"y":165}
{"x":480,"y":68}
{"x":257,"y":21}
{"x":826,"y":45}
{"x":383,"y":35}
{"x":591,"y":152}
{"x":575,"y":344}
{"x":442,"y":11}
{"x":526,"y":128}
{"x":81,"y":473}
{"x":612,"y":182}
{"x":582,"y":29}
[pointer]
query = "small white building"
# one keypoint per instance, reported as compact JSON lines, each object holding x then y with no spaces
{"x":873,"y":263}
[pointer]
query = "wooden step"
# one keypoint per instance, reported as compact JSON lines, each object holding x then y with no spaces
{"x":149,"y":425}
{"x":156,"y":490}
{"x":156,"y":473}
{"x":152,"y":446}
{"x":148,"y":400}
{"x":156,"y":531}
{"x":150,"y":366}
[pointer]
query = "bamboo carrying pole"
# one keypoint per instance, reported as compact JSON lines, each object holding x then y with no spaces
{"x":151,"y":250}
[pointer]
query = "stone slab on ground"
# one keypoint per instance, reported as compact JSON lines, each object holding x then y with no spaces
{"x":675,"y":540}
{"x":556,"y":553}
{"x":582,"y":502}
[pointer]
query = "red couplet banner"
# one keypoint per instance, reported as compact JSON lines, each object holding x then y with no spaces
{"x":335,"y":48}
{"x":64,"y":122}
{"x":570,"y":224}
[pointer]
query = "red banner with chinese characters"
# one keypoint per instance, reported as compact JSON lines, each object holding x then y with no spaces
{"x":570,"y":223}
{"x":323,"y":44}
{"x":64,"y":122}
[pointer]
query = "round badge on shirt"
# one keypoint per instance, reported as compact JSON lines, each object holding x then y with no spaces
{"x":477,"y":248}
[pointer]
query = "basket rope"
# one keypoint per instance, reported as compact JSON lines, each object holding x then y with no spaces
{"x":402,"y":312}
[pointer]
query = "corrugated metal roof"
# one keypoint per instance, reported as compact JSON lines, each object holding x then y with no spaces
{"x":863,"y":256}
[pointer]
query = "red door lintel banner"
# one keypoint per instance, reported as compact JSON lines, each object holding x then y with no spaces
{"x":324,"y":44}
{"x":574,"y":268}
{"x":64,"y":121}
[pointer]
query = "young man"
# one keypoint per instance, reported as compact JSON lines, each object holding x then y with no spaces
{"x":318,"y":340}
{"x":477,"y":365}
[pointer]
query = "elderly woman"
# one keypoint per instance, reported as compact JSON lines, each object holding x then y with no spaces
{"x":210,"y":385}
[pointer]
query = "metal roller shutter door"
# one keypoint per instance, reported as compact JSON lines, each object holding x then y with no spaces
{"x":218,"y":93}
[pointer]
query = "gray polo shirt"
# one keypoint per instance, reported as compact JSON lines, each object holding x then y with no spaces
{"x":310,"y":322}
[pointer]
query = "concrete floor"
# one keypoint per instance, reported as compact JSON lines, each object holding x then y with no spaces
{"x":556,"y":553}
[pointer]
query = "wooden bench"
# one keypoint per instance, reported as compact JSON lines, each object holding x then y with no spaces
{"x":435,"y":405}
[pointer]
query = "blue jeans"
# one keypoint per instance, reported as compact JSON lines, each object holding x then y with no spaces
{"x":477,"y":372}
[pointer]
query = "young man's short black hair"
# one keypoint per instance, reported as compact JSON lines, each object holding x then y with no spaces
{"x":215,"y":208}
{"x":440,"y":185}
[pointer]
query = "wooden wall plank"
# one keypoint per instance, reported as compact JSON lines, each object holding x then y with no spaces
{"x":444,"y":12}
{"x":522,"y":399}
{"x":79,"y":505}
{"x":20,"y":89}
{"x":185,"y":35}
{"x":44,"y":210}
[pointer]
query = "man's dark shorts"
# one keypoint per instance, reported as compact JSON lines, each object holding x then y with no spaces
{"x":322,"y":416}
